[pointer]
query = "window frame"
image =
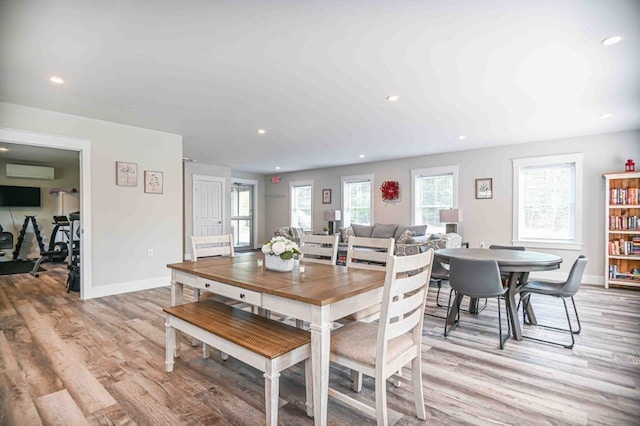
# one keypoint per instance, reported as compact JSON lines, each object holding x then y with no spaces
{"x":518,"y":199}
{"x":296,"y":184}
{"x":431,"y":172}
{"x":352,"y":179}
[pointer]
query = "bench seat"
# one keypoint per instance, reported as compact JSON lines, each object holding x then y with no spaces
{"x":265,"y":344}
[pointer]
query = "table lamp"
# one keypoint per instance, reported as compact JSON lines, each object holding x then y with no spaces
{"x":332,"y":216}
{"x":451,"y":217}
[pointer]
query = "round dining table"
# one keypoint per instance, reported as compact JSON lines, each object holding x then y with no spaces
{"x":516,"y":263}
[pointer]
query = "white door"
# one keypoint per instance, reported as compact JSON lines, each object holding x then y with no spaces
{"x":208,"y":205}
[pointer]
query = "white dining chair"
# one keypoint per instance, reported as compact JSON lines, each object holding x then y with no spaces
{"x":319,"y":248}
{"x":209,"y":246}
{"x":381,"y":350}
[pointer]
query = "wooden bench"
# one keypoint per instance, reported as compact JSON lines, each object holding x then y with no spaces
{"x":265,"y":344}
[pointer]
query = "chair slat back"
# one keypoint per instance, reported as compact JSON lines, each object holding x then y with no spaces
{"x":211,"y":245}
{"x":574,"y":280}
{"x":319,"y":248}
{"x":361,"y":251}
{"x":404,"y":298}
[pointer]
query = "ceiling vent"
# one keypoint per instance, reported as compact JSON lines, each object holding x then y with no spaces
{"x":29,"y":172}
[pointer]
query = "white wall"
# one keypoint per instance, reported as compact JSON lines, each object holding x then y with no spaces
{"x":484,"y":220}
{"x":191,"y":169}
{"x":12,"y":218}
{"x":126,"y":221}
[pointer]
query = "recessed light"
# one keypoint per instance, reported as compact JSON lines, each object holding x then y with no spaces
{"x":277,"y":167}
{"x":462,"y":137}
{"x":361,"y":155}
{"x":3,"y":149}
{"x":262,"y":131}
{"x":607,"y":115}
{"x":56,"y":79}
{"x":393,"y":98}
{"x":610,"y":41}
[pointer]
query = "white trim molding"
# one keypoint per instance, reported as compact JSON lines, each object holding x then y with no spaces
{"x":357,"y":178}
{"x":297,"y":183}
{"x":432,"y":171}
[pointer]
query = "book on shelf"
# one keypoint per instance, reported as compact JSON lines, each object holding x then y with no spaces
{"x":624,"y":223}
{"x":624,"y":196}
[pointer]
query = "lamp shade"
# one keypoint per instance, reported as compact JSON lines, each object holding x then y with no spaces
{"x":332,"y":215}
{"x":450,"y":216}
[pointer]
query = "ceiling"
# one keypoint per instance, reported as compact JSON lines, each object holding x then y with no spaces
{"x":315,"y":74}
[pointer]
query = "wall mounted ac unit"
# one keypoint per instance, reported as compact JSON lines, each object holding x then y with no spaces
{"x":31,"y":172}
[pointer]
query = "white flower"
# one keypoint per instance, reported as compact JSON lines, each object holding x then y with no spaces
{"x":266,"y":249}
{"x":278,"y":247}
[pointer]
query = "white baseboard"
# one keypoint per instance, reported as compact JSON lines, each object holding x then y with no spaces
{"x":126,"y":287}
{"x":562,"y":276}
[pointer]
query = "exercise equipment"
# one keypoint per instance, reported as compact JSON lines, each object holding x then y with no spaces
{"x":59,"y":250}
{"x":23,"y":231}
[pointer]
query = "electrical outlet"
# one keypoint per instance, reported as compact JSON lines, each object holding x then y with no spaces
{"x":150,"y":252}
{"x":482,"y":244}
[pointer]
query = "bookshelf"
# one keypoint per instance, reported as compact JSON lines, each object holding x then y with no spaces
{"x":622,"y":229}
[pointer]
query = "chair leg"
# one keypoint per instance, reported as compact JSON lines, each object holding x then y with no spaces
{"x":416,"y":380}
{"x":577,"y":317}
{"x":503,"y":341}
{"x":570,"y":330}
{"x":381,"y":401}
{"x":438,"y":295}
{"x":456,"y":322}
{"x":356,"y":379}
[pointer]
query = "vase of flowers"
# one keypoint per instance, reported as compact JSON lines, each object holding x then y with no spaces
{"x":279,"y":254}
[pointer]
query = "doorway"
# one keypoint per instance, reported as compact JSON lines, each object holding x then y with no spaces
{"x":243,"y":214}
{"x":83,"y":148}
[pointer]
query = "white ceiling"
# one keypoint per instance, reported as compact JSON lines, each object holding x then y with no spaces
{"x":315,"y":74}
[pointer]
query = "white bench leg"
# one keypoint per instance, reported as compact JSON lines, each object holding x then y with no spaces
{"x":271,"y":392}
{"x":416,"y":379}
{"x":224,"y":356}
{"x":170,"y":346}
{"x":308,"y":382}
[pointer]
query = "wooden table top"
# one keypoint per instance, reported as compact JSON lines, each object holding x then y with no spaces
{"x":320,"y":284}
{"x":508,"y":260}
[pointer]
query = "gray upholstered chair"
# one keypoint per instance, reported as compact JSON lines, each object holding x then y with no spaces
{"x":381,"y":350}
{"x":563,"y":290}
{"x":476,"y":279}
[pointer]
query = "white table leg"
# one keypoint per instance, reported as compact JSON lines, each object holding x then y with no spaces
{"x":177,"y":297}
{"x":320,"y":344}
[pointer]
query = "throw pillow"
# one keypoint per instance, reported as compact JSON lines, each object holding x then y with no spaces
{"x":297,"y":232}
{"x":383,"y":231}
{"x":406,"y":236}
{"x":362,"y":230}
{"x":418,"y":229}
{"x":345,"y":233}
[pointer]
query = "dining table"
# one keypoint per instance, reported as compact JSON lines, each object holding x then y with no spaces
{"x":516,"y":263}
{"x":318,"y":295}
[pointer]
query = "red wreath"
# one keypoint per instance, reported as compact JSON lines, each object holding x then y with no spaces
{"x":390,"y":190}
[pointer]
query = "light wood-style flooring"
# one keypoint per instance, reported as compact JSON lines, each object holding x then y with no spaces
{"x":101,"y":362}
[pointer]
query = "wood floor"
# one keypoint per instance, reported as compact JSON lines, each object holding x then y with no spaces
{"x":101,"y":362}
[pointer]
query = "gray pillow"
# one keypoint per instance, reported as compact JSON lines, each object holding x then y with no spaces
{"x":362,"y":230}
{"x":383,"y":231}
{"x":418,"y":229}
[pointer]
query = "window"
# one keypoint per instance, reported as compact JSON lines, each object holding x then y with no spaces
{"x":547,"y":208}
{"x":357,"y":200}
{"x":302,"y":205}
{"x":433,"y":189}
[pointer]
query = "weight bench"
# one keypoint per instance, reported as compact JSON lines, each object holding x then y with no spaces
{"x":265,"y":344}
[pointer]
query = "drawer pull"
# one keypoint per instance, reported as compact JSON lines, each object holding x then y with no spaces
{"x":241,"y":295}
{"x":207,"y":285}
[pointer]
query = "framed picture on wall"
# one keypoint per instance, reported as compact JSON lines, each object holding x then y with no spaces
{"x":126,"y":174}
{"x":326,"y":196}
{"x":484,"y":188}
{"x":152,"y":182}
